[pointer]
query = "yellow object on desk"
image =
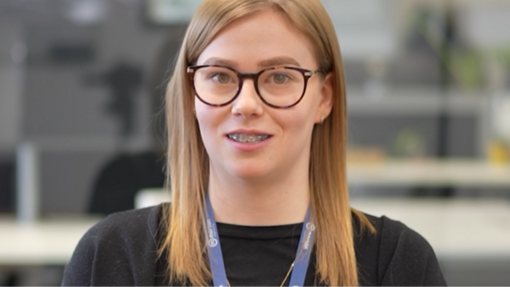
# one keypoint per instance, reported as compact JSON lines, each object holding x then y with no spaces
{"x":499,"y":152}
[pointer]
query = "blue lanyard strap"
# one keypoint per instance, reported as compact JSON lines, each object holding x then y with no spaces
{"x":305,"y":246}
{"x":216,"y":262}
{"x":214,"y":248}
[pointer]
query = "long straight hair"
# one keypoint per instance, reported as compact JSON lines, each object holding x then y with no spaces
{"x":188,"y":162}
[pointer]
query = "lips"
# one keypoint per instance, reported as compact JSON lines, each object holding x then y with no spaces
{"x":248,"y":138}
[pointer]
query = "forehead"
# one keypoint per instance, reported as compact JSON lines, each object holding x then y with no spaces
{"x":252,"y":41}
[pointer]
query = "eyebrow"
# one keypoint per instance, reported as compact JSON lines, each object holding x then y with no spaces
{"x":276,"y":61}
{"x":219,"y":61}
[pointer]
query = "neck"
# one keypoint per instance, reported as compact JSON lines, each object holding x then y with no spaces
{"x":259,"y":203}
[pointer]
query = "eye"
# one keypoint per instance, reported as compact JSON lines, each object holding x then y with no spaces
{"x":279,"y":78}
{"x":221,"y":78}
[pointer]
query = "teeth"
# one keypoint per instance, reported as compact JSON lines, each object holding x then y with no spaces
{"x":244,"y":138}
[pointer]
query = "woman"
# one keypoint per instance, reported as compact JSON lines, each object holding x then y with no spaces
{"x":257,"y":136}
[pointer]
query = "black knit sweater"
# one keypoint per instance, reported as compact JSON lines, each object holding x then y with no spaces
{"x":122,"y":250}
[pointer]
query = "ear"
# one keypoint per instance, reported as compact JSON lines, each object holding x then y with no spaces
{"x":327,"y":101}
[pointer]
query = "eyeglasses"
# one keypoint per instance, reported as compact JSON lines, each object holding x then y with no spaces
{"x":278,"y":87}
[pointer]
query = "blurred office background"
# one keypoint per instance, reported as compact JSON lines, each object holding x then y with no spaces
{"x":82,"y":126}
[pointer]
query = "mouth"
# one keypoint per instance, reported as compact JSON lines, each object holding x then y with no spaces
{"x":248,"y":138}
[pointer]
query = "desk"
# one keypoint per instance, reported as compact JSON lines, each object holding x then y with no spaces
{"x":429,"y":173}
{"x":46,"y":242}
{"x":457,"y":229}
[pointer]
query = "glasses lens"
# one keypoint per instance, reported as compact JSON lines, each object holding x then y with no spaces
{"x":215,"y":85}
{"x":281,"y":86}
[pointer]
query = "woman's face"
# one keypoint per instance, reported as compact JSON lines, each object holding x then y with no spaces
{"x":282,"y":136}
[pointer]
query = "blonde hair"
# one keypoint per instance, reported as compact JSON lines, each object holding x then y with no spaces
{"x":188,"y":162}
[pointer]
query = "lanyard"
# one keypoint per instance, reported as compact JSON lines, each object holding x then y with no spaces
{"x":217,"y":265}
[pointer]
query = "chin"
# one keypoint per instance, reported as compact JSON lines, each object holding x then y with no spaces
{"x":250,"y":172}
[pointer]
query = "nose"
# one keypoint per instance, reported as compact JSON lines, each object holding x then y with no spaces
{"x":247,"y":103}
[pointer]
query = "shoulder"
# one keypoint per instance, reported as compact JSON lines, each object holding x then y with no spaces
{"x":136,"y":223}
{"x":119,"y":250}
{"x":393,"y":235}
{"x":395,"y":254}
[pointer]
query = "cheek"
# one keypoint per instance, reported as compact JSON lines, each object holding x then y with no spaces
{"x":303,"y":121}
{"x":204,"y":121}
{"x":298,"y":125}
{"x":209,"y":120}
{"x":308,"y":108}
